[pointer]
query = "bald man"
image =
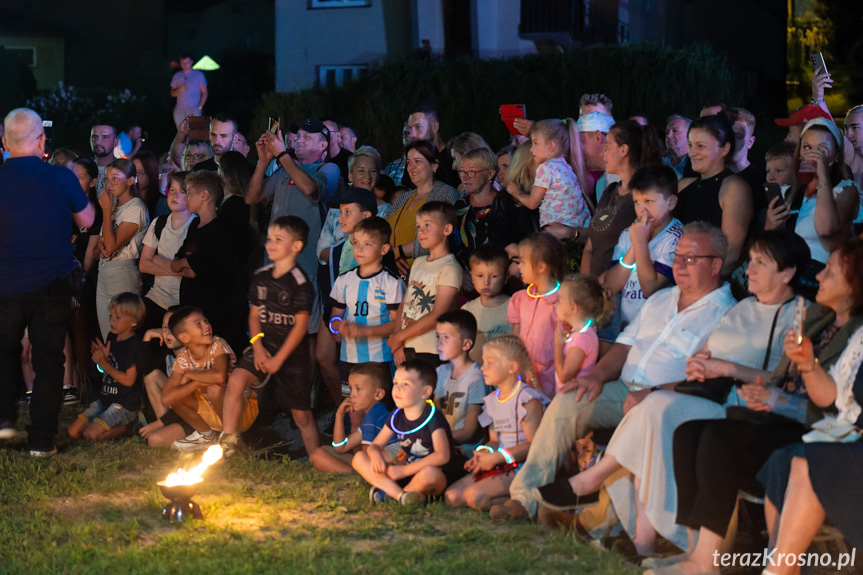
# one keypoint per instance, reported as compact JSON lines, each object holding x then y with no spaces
{"x":38,"y":273}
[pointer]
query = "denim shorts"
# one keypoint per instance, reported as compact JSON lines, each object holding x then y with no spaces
{"x":109,"y":417}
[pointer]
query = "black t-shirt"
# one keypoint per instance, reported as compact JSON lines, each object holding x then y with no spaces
{"x":234,"y":214}
{"x":208,"y":164}
{"x":419,"y":443}
{"x":341,"y":160}
{"x":755,"y":176}
{"x":215,"y":287}
{"x":278,"y":300}
{"x":498,"y":223}
{"x":122,"y":356}
{"x":81,"y":236}
{"x":613,"y":215}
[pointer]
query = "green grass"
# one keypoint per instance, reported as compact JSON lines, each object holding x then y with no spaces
{"x":95,"y":508}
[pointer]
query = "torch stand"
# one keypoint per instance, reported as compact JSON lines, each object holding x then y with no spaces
{"x":181,"y":507}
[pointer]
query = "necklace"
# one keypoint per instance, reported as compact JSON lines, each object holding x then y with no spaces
{"x":418,"y":427}
{"x":508,"y":397}
{"x":546,"y":294}
{"x":582,"y":330}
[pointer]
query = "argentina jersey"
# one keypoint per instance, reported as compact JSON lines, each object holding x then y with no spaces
{"x":367,"y":301}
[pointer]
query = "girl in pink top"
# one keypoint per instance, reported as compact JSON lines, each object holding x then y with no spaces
{"x":582,"y":304}
{"x":531,"y":311}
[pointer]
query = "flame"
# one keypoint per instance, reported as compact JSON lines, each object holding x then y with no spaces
{"x":194,"y":475}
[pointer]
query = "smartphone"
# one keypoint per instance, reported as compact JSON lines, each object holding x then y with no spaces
{"x":799,"y":312}
{"x":509,"y":112}
{"x":818,"y":62}
{"x":199,"y":128}
{"x":772,"y":191}
{"x":273,"y":124}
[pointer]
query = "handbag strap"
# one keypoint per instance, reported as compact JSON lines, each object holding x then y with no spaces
{"x":772,"y":330}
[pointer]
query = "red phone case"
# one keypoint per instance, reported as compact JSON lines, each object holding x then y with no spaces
{"x":509,"y":112}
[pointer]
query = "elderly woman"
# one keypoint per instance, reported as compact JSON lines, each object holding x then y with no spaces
{"x":459,"y":145}
{"x":713,"y":459}
{"x":485,"y":215}
{"x":748,"y":344}
{"x":815,"y":481}
{"x":423,"y":160}
{"x":717,"y":195}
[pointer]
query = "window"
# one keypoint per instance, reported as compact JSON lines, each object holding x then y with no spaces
{"x":315,"y":4}
{"x":27,"y":54}
{"x":338,"y":75}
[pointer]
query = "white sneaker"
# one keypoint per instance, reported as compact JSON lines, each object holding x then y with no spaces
{"x":196,"y":441}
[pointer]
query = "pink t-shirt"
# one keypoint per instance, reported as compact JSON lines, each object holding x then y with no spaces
{"x":589,"y":343}
{"x":537,"y":321}
{"x":563,"y":201}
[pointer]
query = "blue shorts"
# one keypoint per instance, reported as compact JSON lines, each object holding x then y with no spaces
{"x":108,"y":417}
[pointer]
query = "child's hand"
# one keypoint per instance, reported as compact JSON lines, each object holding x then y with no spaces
{"x":778,"y":213}
{"x":395,"y":341}
{"x":261,"y":356}
{"x":155,"y":333}
{"x":177,"y":266}
{"x":639,"y":231}
{"x":345,"y":407}
{"x":399,"y":356}
{"x":99,"y":353}
{"x":484,"y":461}
{"x":106,"y":202}
{"x":379,"y":465}
{"x":396,"y":472}
{"x":349,"y":330}
{"x":271,"y":365}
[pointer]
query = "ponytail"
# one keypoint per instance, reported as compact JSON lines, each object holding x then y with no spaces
{"x":595,"y":302}
{"x":513,"y":349}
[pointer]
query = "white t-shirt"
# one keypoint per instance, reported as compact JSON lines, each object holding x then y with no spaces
{"x":166,"y":289}
{"x":661,"y":249}
{"x":133,"y":211}
{"x":421,"y":294}
{"x":805,"y":226}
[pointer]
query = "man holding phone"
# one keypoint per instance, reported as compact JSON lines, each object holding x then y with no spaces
{"x":189,"y":87}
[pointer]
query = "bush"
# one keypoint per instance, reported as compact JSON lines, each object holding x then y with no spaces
{"x":640,"y":78}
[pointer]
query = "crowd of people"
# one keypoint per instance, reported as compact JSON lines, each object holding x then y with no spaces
{"x":474,"y":315}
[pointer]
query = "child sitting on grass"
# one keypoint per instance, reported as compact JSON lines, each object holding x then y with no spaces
{"x":460,"y":386}
{"x":196,"y":388}
{"x":427,"y":461}
{"x":432,"y":287}
{"x":488,"y":266}
{"x":370,"y":399}
{"x":281,"y":297}
{"x":116,"y":409}
{"x":644,"y":254}
{"x":513,"y":413}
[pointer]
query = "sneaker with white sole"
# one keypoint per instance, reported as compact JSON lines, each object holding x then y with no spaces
{"x":71,"y":395}
{"x":196,"y":441}
{"x":229,"y":443}
{"x":46,"y":451}
{"x":377,"y":495}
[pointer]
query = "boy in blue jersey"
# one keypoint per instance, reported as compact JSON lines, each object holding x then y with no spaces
{"x":365,"y":300}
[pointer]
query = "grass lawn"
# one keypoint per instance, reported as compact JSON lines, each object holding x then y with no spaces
{"x":95,"y":508}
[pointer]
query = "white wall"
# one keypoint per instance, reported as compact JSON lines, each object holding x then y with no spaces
{"x":495,"y":29}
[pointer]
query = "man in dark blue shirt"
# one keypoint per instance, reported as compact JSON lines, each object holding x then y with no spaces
{"x":38,"y":273}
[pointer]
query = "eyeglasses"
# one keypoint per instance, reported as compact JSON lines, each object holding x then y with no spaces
{"x":195,"y":157}
{"x":470,"y":173}
{"x":686,"y":259}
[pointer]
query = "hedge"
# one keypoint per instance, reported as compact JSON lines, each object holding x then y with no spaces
{"x":651,"y":79}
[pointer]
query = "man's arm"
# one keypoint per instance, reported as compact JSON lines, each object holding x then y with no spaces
{"x":203,"y":99}
{"x":255,"y":191}
{"x":178,"y":145}
{"x":276,"y":145}
{"x":85,"y":217}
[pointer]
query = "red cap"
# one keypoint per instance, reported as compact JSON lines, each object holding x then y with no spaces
{"x":802,"y":115}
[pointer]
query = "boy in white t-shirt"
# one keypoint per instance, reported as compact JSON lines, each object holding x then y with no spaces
{"x":432,"y":287}
{"x":645,"y":252}
{"x":488,"y":265}
{"x":460,"y":385}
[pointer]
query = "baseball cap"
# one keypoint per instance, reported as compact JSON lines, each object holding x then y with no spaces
{"x":314,"y":126}
{"x":802,"y":115}
{"x":361,"y":196}
{"x":593,"y":121}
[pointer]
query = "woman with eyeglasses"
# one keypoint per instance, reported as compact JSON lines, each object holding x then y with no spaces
{"x":147,"y":173}
{"x":485,"y":214}
{"x":123,"y":228}
{"x":197,"y":151}
{"x":717,"y":195}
